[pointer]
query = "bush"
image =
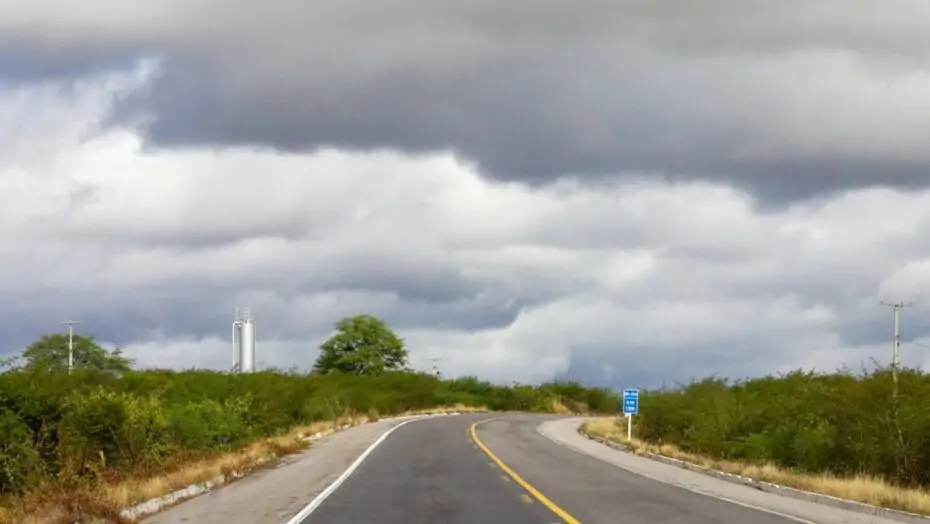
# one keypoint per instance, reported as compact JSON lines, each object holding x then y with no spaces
{"x":839,"y":423}
{"x":19,"y":461}
{"x":95,"y":425}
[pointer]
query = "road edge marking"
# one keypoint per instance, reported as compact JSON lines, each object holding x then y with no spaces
{"x":315,"y":503}
{"x":564,"y":515}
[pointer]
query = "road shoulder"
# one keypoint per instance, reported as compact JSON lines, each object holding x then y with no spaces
{"x":565,"y":433}
{"x":275,"y":494}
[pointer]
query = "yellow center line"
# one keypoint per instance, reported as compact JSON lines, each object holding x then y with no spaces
{"x":518,"y":479}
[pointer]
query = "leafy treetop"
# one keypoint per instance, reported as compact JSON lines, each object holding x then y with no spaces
{"x":51,"y":352}
{"x":362,"y":345}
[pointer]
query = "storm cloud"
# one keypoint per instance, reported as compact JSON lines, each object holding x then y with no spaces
{"x":788,"y":100}
{"x":625,"y":192}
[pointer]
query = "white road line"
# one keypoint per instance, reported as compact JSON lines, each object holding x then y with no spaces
{"x":315,"y":503}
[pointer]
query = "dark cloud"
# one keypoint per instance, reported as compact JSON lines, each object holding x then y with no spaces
{"x":425,"y":297}
{"x":530,"y":122}
{"x":640,"y":367}
{"x":725,"y":92}
{"x":425,"y":281}
{"x":23,"y":64}
{"x":756,"y":95}
{"x":789,"y":179}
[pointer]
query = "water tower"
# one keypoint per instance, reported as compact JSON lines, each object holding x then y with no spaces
{"x":243,"y":342}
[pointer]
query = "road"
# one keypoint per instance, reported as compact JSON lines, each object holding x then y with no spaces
{"x":532,"y":469}
{"x":431,"y":472}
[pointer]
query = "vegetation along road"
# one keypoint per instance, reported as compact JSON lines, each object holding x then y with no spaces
{"x":349,"y":441}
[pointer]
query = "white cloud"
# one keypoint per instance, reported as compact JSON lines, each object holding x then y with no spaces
{"x":153,"y":249}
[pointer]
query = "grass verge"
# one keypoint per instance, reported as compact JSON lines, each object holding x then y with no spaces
{"x":105,"y":501}
{"x":866,"y":489}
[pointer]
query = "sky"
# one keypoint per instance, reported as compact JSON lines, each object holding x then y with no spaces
{"x":625,"y":193}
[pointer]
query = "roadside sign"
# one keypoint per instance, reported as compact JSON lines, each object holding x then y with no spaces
{"x":631,"y":401}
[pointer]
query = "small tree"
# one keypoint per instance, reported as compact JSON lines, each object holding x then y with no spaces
{"x":362,"y":345}
{"x":51,"y":352}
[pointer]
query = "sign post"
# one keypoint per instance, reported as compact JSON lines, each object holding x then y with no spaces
{"x":630,"y":408}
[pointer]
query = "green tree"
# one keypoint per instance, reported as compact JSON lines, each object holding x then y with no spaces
{"x":362,"y":345}
{"x":9,"y":362}
{"x":51,"y":352}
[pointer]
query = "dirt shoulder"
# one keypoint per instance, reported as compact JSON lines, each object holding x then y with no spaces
{"x":274,"y":494}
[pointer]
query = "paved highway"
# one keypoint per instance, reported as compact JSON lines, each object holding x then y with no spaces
{"x":514,"y":469}
{"x":430,"y":472}
{"x":433,"y":472}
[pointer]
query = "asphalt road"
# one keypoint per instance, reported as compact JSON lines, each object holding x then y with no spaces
{"x":596,"y":492}
{"x":431,"y":472}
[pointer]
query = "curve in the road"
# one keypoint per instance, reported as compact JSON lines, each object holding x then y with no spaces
{"x":427,"y":471}
{"x":597,"y":492}
{"x":603,"y":486}
{"x":468,"y":468}
{"x":564,"y":515}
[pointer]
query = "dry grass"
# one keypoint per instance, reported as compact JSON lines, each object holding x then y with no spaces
{"x":559,"y":408}
{"x":105,"y":501}
{"x":861,"y":488}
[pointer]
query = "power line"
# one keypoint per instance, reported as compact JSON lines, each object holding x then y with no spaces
{"x":70,"y":324}
{"x":896,"y":340}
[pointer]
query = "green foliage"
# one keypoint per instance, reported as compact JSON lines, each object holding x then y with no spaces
{"x":838,"y":423}
{"x":362,"y":345}
{"x":95,"y":425}
{"x":111,"y":428}
{"x":208,"y":424}
{"x":19,"y":461}
{"x":51,"y":353}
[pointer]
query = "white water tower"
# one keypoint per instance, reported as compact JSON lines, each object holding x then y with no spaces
{"x":243,"y":342}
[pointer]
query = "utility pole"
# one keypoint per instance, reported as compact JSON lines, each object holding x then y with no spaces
{"x":436,"y":368}
{"x":896,"y":341}
{"x":71,"y":324}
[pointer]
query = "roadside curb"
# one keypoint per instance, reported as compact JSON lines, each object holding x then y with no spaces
{"x":150,"y":507}
{"x":768,"y":487}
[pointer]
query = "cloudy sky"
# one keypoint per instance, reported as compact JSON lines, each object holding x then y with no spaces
{"x":624,"y":192}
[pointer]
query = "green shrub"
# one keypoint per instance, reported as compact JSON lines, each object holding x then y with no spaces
{"x":839,"y":423}
{"x":93,"y":424}
{"x":19,"y":461}
{"x":106,"y":421}
{"x":90,"y":433}
{"x":207,"y":425}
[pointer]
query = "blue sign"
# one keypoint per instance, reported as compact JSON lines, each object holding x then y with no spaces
{"x":631,"y":401}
